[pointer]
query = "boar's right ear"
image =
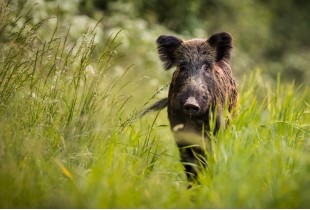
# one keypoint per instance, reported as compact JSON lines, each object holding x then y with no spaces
{"x":222,"y":43}
{"x":166,"y":46}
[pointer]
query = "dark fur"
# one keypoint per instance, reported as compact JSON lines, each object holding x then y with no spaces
{"x":158,"y":105}
{"x":202,"y":85}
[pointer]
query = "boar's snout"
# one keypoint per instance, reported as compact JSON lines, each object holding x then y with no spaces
{"x":191,"y":107}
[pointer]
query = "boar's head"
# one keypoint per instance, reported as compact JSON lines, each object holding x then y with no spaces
{"x":202,"y":82}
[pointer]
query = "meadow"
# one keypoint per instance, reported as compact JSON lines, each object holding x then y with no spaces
{"x":72,"y":136}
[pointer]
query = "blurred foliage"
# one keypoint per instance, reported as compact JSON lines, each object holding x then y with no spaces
{"x":272,"y":35}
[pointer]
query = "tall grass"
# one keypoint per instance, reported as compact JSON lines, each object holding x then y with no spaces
{"x":65,"y":140}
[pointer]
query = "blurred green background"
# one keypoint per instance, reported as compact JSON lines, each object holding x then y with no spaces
{"x":271,"y":35}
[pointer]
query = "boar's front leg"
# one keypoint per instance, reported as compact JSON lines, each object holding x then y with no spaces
{"x":193,"y":158}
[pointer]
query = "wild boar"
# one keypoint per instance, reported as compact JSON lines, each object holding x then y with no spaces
{"x":202,"y":86}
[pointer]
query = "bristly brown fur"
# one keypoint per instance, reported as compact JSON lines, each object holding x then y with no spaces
{"x":222,"y":42}
{"x":202,"y":86}
{"x":158,"y":105}
{"x":167,"y":46}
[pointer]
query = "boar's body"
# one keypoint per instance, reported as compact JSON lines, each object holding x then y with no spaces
{"x":202,"y":86}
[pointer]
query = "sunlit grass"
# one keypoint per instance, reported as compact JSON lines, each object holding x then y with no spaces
{"x":69,"y":139}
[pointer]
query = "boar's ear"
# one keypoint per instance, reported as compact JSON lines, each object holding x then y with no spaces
{"x":166,"y":46}
{"x":222,"y":43}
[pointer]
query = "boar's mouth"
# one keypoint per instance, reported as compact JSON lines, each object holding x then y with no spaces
{"x":193,"y":123}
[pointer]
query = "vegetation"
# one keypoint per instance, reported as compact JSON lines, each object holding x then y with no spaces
{"x":71,"y":136}
{"x":270,"y":34}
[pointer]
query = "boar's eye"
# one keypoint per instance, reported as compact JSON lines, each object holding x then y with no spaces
{"x":204,"y":52}
{"x":206,"y":65}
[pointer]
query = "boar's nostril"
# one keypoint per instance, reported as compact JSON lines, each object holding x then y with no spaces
{"x":191,"y":108}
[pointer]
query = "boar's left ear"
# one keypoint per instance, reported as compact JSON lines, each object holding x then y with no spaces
{"x":222,"y":43}
{"x":167,"y":46}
